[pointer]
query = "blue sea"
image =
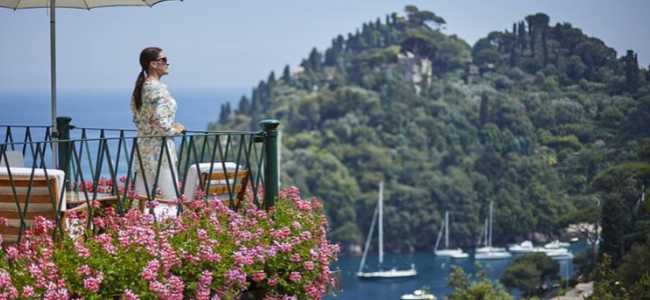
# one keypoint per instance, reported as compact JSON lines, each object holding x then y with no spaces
{"x":433,"y":272}
{"x":110,"y":109}
{"x":197,"y":108}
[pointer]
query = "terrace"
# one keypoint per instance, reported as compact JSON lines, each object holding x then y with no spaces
{"x":88,"y":164}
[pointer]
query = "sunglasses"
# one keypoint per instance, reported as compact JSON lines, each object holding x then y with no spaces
{"x":164,"y":59}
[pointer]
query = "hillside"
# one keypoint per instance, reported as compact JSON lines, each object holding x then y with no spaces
{"x":525,"y":118}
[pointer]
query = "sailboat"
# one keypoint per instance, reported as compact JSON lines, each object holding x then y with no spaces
{"x":453,"y":253}
{"x":489,"y":252}
{"x":381,"y":274}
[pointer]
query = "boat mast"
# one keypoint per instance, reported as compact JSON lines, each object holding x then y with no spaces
{"x":369,"y":238}
{"x":442,"y":227}
{"x":446,"y":229}
{"x":381,"y":223}
{"x":485,"y":232}
{"x":491,"y":213}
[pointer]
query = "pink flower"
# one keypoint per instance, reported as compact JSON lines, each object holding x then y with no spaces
{"x":203,"y":290}
{"x":259,"y":276}
{"x":150,"y":272}
{"x":81,"y":250}
{"x":273,"y":281}
{"x":295,"y":276}
{"x":235,"y":275}
{"x":12,"y":253}
{"x":296,"y":225}
{"x":28,"y":291}
{"x":129,"y":295}
{"x":84,"y":270}
{"x":92,"y":283}
{"x":309,"y":265}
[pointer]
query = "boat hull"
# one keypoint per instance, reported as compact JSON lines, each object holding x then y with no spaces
{"x":418,"y":297}
{"x":459,"y":255}
{"x":492,"y":255}
{"x":390,"y":274}
{"x":448,"y":252}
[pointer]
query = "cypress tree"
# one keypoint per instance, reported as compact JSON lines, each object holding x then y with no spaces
{"x":521,"y":34}
{"x":315,"y":60}
{"x":271,"y":81}
{"x":255,"y":103}
{"x":532,"y":33}
{"x":612,"y":222}
{"x":340,"y":42}
{"x":631,"y":65}
{"x":286,"y":75}
{"x":349,"y":43}
{"x":332,"y":54}
{"x":224,"y":113}
{"x":513,"y":57}
{"x":244,"y":105}
{"x":542,"y":20}
{"x":228,"y":111}
{"x":263,"y":93}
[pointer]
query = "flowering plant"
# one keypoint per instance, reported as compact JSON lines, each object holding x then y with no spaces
{"x":208,"y":252}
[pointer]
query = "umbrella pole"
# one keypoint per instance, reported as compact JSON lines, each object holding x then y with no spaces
{"x":53,"y":77}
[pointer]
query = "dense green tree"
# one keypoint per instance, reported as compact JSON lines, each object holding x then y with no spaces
{"x":530,"y":272}
{"x":420,"y":45}
{"x":465,"y":288}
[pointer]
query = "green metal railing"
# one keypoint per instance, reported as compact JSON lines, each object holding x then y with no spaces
{"x":103,"y":162}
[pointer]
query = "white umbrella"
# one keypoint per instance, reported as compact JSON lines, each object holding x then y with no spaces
{"x":80,"y":4}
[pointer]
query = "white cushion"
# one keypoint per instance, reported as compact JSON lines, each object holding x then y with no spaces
{"x":192,"y":183}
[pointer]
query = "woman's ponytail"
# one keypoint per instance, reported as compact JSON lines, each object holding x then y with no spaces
{"x":137,"y":91}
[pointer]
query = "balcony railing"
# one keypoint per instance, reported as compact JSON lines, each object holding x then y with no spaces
{"x":53,"y":173}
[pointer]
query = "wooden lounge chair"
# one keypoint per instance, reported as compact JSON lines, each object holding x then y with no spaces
{"x":40,"y":195}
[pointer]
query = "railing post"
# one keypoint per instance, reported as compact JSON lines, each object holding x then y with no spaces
{"x":63,"y":128}
{"x":271,"y":176}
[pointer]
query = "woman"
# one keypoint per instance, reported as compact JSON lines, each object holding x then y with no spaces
{"x":154,"y":111}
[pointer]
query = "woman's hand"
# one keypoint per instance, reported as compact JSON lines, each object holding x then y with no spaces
{"x":179,"y":128}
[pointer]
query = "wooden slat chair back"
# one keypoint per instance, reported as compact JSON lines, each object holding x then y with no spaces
{"x":221,"y":184}
{"x":217,"y":182}
{"x":40,"y":195}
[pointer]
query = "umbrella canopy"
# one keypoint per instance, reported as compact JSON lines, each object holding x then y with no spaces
{"x":80,"y":4}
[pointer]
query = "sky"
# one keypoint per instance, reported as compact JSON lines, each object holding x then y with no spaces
{"x":219,"y":44}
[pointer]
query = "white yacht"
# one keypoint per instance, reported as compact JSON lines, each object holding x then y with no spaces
{"x":489,"y":252}
{"x":421,"y":294}
{"x":556,"y":245}
{"x":393,"y":273}
{"x":453,"y":253}
{"x":524,"y":247}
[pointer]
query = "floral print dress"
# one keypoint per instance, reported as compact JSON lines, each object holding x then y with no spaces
{"x":155,"y":118}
